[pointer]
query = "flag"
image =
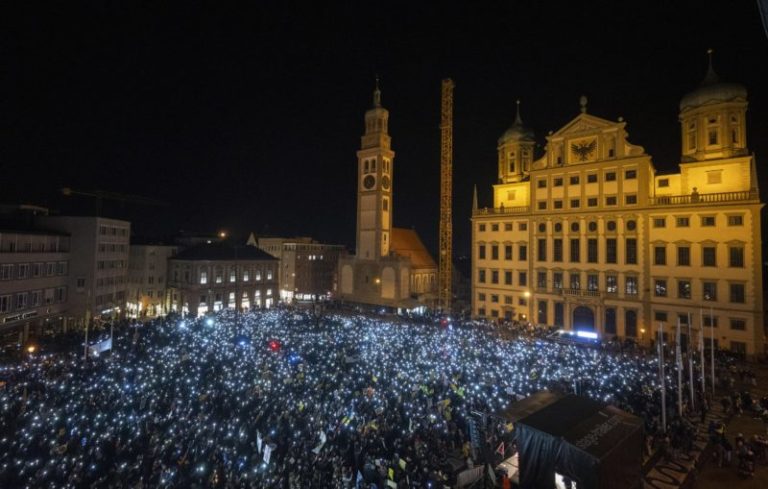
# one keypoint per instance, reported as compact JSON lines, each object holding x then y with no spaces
{"x":500,"y":449}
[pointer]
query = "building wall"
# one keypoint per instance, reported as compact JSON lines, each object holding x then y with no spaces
{"x":34,"y":271}
{"x":201,"y":286}
{"x":98,"y":265}
{"x":610,"y":238}
{"x":148,"y":276}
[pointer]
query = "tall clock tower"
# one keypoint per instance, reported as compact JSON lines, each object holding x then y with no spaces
{"x":374,"y":184}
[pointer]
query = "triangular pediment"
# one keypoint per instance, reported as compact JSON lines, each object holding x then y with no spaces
{"x":586,"y":123}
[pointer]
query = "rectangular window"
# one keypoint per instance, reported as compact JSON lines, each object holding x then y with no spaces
{"x":683,"y":256}
{"x":541,"y":252}
{"x":592,"y":202}
{"x":557,"y":249}
{"x":611,"y":284}
{"x":631,"y":285}
{"x":737,"y":293}
{"x":5,"y":303}
{"x":481,"y":311}
{"x":610,"y":200}
{"x":708,"y":256}
{"x":707,"y":221}
{"x":203,"y":278}
{"x":495,"y":298}
{"x":574,"y":180}
{"x":522,"y":279}
{"x":736,"y":256}
{"x":494,"y":227}
{"x":522,"y":226}
{"x":557,"y":280}
{"x":735,"y":220}
{"x":507,"y":226}
{"x":494,"y":252}
{"x":663,"y":182}
{"x":739,"y":347}
{"x":558,"y":182}
{"x":575,"y":203}
{"x":541,"y":183}
{"x":494,"y":276}
{"x":709,"y":291}
{"x":659,"y":222}
{"x":659,"y":255}
{"x":738,"y":324}
{"x":507,"y":299}
{"x":660,"y":316}
{"x":541,"y":280}
{"x":21,"y":300}
{"x":660,"y":288}
{"x":592,"y":250}
{"x":631,"y":249}
{"x":575,"y":250}
{"x":610,"y":250}
{"x":683,"y":222}
{"x":23,"y":269}
{"x":507,"y":252}
{"x":481,"y":276}
{"x":592,"y":178}
{"x":592,"y":282}
{"x":575,"y":280}
{"x":610,"y":176}
{"x":684,"y":289}
{"x":542,"y":205}
{"x":522,"y":252}
{"x":542,"y":312}
{"x":630,"y":199}
{"x":6,"y":272}
{"x":481,"y":227}
{"x":630,"y":174}
{"x":709,"y":321}
{"x":558,"y":204}
{"x":507,"y":278}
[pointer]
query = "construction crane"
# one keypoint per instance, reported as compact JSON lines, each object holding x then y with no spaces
{"x":101,"y":195}
{"x":446,"y":195}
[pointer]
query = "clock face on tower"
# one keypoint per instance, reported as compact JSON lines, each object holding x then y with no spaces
{"x":385,"y":182}
{"x":369,"y":181}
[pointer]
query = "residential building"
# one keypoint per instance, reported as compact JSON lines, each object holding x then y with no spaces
{"x":148,"y":278}
{"x":590,"y":235}
{"x":34,"y":276}
{"x":98,"y":266}
{"x":210,"y":277}
{"x":308,"y":269}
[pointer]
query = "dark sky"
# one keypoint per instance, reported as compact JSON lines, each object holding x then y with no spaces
{"x":249,"y":118}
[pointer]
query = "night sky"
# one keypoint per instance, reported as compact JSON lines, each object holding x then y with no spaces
{"x":249,"y":118}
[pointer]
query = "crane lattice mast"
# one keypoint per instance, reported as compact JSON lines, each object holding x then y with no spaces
{"x":446,"y":195}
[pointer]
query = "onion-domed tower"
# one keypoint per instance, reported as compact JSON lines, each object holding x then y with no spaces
{"x":712,"y":119}
{"x":515,"y":151}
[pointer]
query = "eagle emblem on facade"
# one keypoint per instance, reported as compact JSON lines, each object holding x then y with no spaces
{"x":584,"y":150}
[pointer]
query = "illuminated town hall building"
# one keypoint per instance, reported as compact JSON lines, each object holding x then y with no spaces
{"x":591,"y":237}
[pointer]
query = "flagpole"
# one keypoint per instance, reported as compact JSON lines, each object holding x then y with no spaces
{"x":701,"y":353}
{"x":662,"y":375}
{"x":689,"y":352}
{"x":712,"y":348}
{"x":679,"y":363}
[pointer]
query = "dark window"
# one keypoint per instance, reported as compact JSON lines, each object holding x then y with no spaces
{"x":660,"y":316}
{"x":684,"y":289}
{"x":630,"y":199}
{"x":592,"y":202}
{"x":559,"y":314}
{"x":592,"y":178}
{"x":683,"y":222}
{"x":735,"y":220}
{"x":610,"y":176}
{"x":664,"y":182}
{"x":507,"y":252}
{"x":541,"y":280}
{"x":708,"y":221}
{"x":610,"y":250}
{"x":494,"y":276}
{"x":630,"y":324}
{"x":494,"y":252}
{"x":541,"y":252}
{"x":592,"y":250}
{"x":738,"y":324}
{"x":660,"y":288}
{"x":557,"y":280}
{"x":575,"y":227}
{"x":575,"y":253}
{"x":494,"y":227}
{"x":631,"y":225}
{"x":481,"y":252}
{"x":709,"y":321}
{"x":481,"y":276}
{"x":557,"y":249}
{"x":575,"y":280}
{"x":709,"y":291}
{"x":659,"y":222}
{"x":660,"y":255}
{"x":592,"y":282}
{"x":737,"y":293}
{"x":683,"y":256}
{"x":709,"y":256}
{"x":631,"y":249}
{"x":542,"y":205}
{"x":558,"y":204}
{"x":610,"y":320}
{"x":507,"y":278}
{"x":523,"y":226}
{"x":575,"y":203}
{"x":574,"y":180}
{"x":610,"y":200}
{"x":736,"y":257}
{"x":611,"y":226}
{"x":558,"y":227}
{"x":592,"y":226}
{"x":558,"y":182}
{"x":542,"y":183}
{"x":542,"y":310}
{"x":522,"y":279}
{"x":630,"y":174}
{"x":522,"y":252}
{"x":542,"y":227}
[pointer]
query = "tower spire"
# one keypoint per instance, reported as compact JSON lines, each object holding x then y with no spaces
{"x":518,"y":119}
{"x":474,"y":198}
{"x":711,"y":75}
{"x":377,"y":94}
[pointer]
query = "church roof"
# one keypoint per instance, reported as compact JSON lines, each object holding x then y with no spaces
{"x":405,"y":242}
{"x":712,"y":91}
{"x":223,"y":252}
{"x":517,"y":131}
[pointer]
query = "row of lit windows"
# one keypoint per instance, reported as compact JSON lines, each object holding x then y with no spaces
{"x":232,"y":276}
{"x":609,"y":176}
{"x":574,"y":251}
{"x":33,"y":298}
{"x":610,"y":200}
{"x":10,"y":244}
{"x":708,"y":256}
{"x":21,"y":271}
{"x":631,"y":225}
{"x":369,"y":166}
{"x":706,"y":221}
{"x":217,"y":297}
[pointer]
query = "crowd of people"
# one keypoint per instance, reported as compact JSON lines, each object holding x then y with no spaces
{"x":285,"y":399}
